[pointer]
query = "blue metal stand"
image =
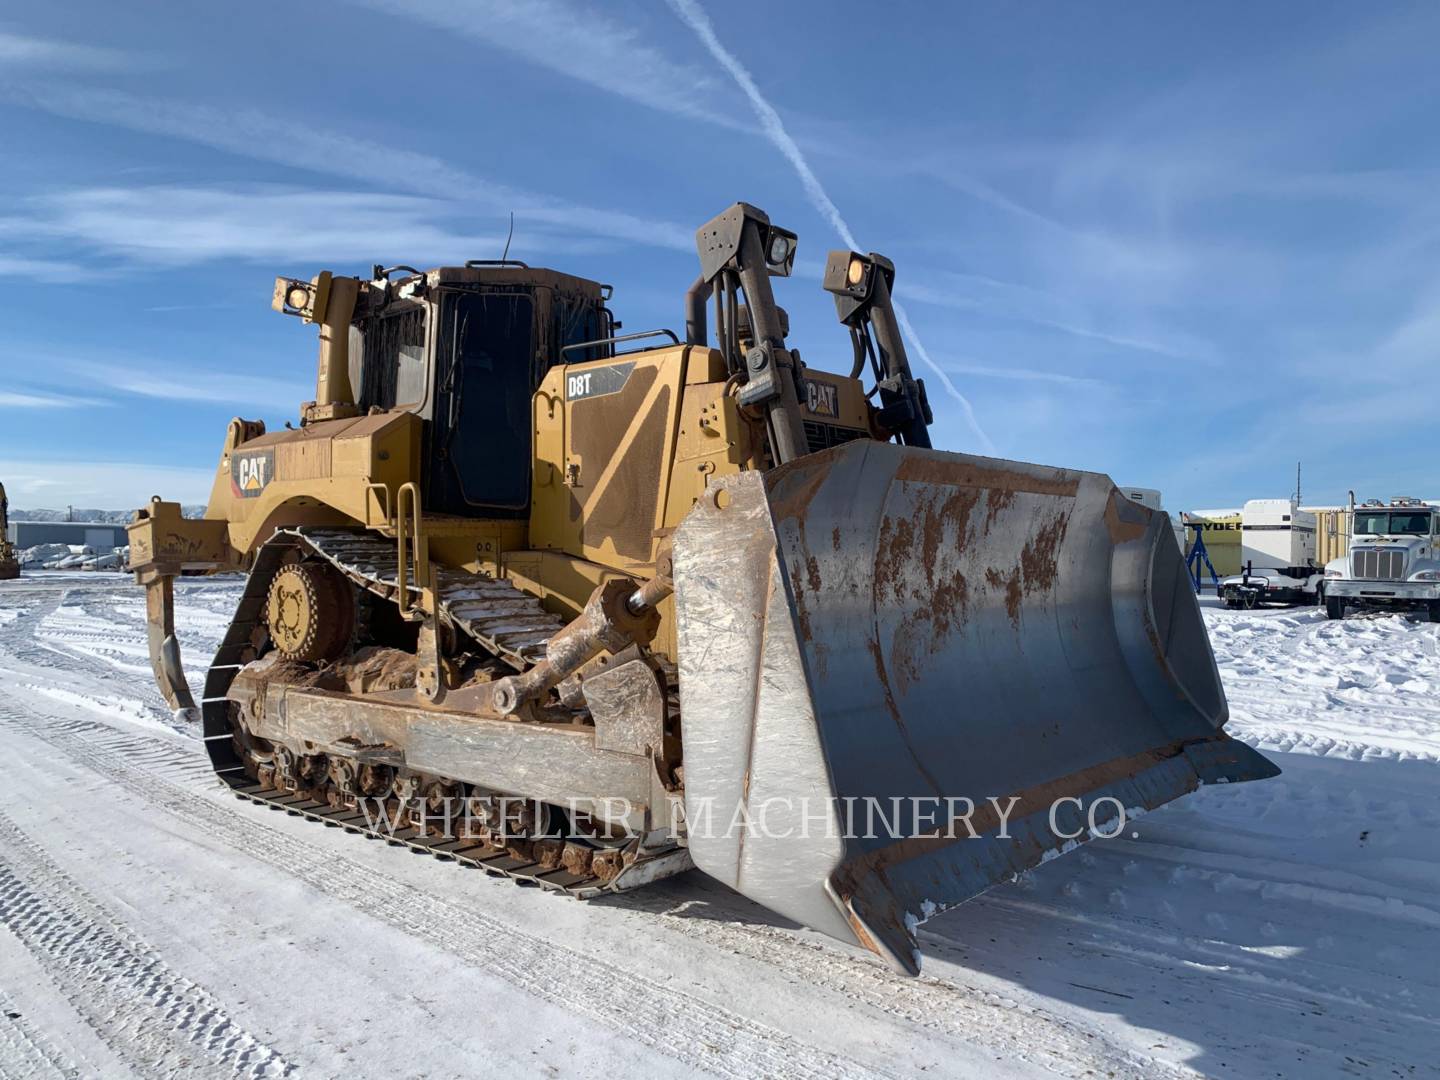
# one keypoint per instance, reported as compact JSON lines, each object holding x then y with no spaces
{"x":1199,"y":557}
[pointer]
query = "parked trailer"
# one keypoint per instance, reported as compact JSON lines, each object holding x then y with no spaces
{"x":1332,"y":533}
{"x":1277,"y":547}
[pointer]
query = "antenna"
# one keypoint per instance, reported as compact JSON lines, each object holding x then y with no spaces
{"x":1297,"y":483}
{"x":508,"y":236}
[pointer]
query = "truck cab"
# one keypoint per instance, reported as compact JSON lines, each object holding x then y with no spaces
{"x":1393,"y":561}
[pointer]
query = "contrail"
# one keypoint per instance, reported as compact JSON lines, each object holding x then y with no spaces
{"x":694,"y":16}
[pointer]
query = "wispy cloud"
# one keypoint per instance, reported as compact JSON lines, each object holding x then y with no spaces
{"x":259,"y":136}
{"x":176,"y":226}
{"x":1018,"y":374}
{"x":14,"y":399}
{"x":184,"y":382}
{"x":19,"y":51}
{"x":48,"y":483}
{"x":1007,"y":300}
{"x":577,"y":42}
{"x":46,"y":270}
{"x":774,"y":129}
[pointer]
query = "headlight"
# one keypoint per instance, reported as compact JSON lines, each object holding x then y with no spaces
{"x":1333,"y":573}
{"x":1427,"y":575}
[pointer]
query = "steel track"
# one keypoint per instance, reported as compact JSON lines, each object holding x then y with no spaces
{"x":496,"y":614}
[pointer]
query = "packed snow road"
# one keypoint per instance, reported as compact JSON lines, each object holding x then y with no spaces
{"x":152,"y":925}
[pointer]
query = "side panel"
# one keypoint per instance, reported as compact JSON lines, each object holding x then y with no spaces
{"x":318,"y":473}
{"x":623,"y":447}
{"x":623,"y":418}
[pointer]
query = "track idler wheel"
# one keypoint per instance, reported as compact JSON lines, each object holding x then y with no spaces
{"x":310,"y":611}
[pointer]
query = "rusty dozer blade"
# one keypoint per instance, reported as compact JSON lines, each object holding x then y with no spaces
{"x":883,"y":649}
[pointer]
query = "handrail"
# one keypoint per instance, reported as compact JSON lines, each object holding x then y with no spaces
{"x":422,"y":551}
{"x":623,"y":337}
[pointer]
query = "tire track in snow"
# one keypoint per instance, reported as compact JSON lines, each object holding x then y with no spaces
{"x":152,"y":1018}
{"x":696,"y":1033}
{"x":1011,"y":1030}
{"x":1325,"y":685}
{"x":25,"y":1054}
{"x":1003,"y":1026}
{"x":35,"y":645}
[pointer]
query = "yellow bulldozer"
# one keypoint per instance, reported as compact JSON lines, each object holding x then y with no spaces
{"x":9,"y":564}
{"x":587,"y":609}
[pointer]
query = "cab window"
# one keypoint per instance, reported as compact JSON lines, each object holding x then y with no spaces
{"x":387,"y":358}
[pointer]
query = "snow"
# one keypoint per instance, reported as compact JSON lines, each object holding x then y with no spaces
{"x":151,"y":925}
{"x":73,"y":557}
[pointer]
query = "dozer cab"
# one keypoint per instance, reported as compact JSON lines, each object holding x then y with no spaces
{"x":586,"y":609}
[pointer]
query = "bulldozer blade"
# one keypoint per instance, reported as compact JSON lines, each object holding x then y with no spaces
{"x":908,"y":675}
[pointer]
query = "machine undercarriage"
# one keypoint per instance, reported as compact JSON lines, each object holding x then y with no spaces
{"x":311,"y":705}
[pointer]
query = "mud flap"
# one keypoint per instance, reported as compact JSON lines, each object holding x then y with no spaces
{"x":907,"y":675}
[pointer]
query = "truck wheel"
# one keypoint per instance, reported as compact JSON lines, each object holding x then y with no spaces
{"x":1432,"y":611}
{"x":1334,"y":608}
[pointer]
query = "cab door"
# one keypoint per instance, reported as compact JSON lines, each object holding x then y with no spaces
{"x":479,"y":434}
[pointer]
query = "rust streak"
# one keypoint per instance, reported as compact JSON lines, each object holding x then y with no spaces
{"x":802,"y":614}
{"x":812,"y":573}
{"x":996,"y":503}
{"x":793,"y":486}
{"x":958,"y":472}
{"x":1125,"y":519}
{"x":1011,"y":584}
{"x":1038,"y":562}
{"x":913,"y":646}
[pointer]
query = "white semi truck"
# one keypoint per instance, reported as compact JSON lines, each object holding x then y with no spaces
{"x":1393,"y":561}
{"x":1277,"y":557}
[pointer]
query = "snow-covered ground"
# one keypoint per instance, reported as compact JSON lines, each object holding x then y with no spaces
{"x":151,"y":925}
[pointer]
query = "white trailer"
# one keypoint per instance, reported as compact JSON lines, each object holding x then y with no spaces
{"x":1277,"y":556}
{"x":1144,"y":496}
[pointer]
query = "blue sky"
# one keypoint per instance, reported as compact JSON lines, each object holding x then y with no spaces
{"x":1186,"y":245}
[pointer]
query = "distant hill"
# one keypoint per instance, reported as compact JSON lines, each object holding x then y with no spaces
{"x":110,"y":517}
